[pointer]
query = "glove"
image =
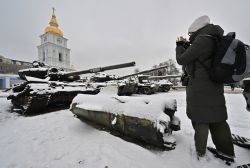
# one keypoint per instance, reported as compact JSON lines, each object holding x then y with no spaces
{"x":182,"y":42}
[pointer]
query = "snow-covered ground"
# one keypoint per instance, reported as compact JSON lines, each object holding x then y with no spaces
{"x":60,"y":140}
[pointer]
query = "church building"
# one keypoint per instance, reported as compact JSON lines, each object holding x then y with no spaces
{"x":53,"y":49}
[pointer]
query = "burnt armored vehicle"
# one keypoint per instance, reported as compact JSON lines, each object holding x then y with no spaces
{"x":137,"y":119}
{"x":162,"y":82}
{"x":47,"y":87}
{"x":102,"y":77}
{"x":145,"y":86}
{"x":126,"y":87}
{"x":138,"y":83}
{"x":135,"y":83}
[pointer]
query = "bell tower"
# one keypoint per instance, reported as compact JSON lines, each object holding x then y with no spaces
{"x":53,"y":49}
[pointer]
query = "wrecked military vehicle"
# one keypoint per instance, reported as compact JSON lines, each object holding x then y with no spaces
{"x":145,"y":86}
{"x":135,"y":83}
{"x":162,"y":82}
{"x":149,"y":121}
{"x":138,"y":83}
{"x":48,"y":87}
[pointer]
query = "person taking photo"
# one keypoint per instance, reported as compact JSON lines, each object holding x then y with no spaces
{"x":206,"y":106}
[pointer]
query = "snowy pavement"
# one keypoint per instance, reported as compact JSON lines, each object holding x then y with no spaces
{"x":59,"y":140}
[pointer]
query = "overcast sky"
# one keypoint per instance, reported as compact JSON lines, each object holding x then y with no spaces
{"x":103,"y":32}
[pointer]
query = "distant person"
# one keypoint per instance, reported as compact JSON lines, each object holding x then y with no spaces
{"x":232,"y":85}
{"x":246,"y":91}
{"x":205,"y":99}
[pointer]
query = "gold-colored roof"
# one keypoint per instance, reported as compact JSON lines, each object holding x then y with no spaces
{"x":53,"y":26}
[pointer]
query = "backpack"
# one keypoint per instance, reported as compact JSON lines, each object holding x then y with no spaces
{"x":230,"y":61}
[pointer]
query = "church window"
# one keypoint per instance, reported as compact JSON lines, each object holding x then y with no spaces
{"x":60,"y":57}
{"x":45,"y":39}
{"x":43,"y":55}
{"x":59,"y":40}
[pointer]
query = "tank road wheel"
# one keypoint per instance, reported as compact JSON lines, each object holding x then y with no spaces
{"x":165,"y":88}
{"x":120,"y":91}
{"x":147,"y":91}
{"x":36,"y":104}
{"x":140,"y":90}
{"x":134,"y":89}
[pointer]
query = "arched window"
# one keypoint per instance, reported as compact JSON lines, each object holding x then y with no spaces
{"x":44,"y":55}
{"x":60,"y":57}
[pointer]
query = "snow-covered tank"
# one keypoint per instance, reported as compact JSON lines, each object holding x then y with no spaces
{"x":144,"y":119}
{"x":102,"y":77}
{"x":162,"y":83}
{"x":145,"y":86}
{"x":140,"y":82}
{"x":46,"y":87}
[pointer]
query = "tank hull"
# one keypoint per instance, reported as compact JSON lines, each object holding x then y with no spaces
{"x":133,"y":127}
{"x":33,"y":98}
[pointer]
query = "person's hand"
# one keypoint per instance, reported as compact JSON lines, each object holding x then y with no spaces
{"x":181,"y":41}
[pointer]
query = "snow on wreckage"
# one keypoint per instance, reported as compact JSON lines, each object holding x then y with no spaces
{"x":147,"y":120}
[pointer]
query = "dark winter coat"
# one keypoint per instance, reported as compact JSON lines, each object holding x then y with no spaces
{"x":205,"y":99}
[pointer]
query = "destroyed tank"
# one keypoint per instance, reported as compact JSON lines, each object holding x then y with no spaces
{"x":45,"y":87}
{"x":102,"y":77}
{"x":138,"y":83}
{"x":162,"y":82}
{"x":149,"y":121}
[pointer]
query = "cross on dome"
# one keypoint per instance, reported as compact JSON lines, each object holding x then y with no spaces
{"x":53,"y":25}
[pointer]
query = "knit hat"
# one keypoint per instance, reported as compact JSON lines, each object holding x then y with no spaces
{"x":199,"y":23}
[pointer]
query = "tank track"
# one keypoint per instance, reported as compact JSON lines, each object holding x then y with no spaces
{"x":36,"y":103}
{"x":241,"y":141}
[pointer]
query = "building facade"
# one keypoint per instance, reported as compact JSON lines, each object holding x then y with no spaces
{"x":8,"y":71}
{"x":53,"y":49}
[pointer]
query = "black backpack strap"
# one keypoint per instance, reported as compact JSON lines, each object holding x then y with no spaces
{"x":215,"y":38}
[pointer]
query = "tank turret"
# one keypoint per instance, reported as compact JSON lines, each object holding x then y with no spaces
{"x":57,"y":74}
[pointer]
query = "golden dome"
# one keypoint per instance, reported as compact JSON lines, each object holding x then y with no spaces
{"x":53,"y":27}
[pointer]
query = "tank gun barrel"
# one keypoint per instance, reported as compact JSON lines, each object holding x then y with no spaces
{"x":100,"y":69}
{"x":164,"y":77}
{"x":142,"y":72}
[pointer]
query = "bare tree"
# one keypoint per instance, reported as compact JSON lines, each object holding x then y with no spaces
{"x":171,"y":68}
{"x":136,"y":70}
